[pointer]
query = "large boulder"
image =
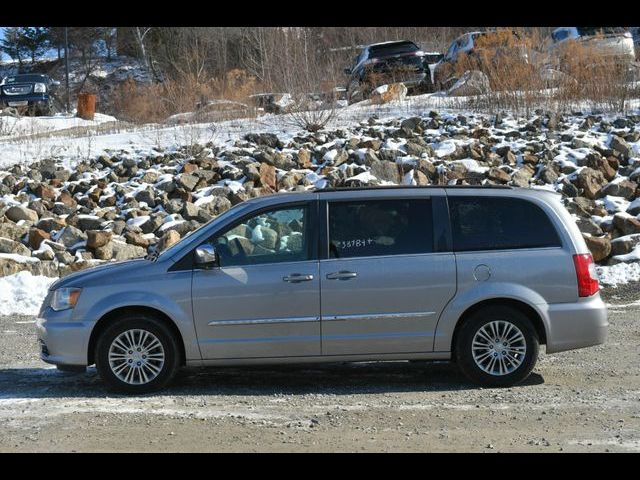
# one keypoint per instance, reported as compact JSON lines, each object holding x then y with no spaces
{"x":410,"y":125}
{"x":98,"y":238}
{"x":71,"y":237}
{"x":304,"y":158}
{"x":634,"y":207}
{"x":586,"y":225}
{"x":627,"y":224}
{"x":522,"y":177}
{"x":498,"y":175}
{"x":88,"y":222}
{"x":263,"y":139}
{"x":621,"y":146}
{"x":137,"y":239}
{"x":600,"y":247}
{"x":623,"y":188}
{"x":624,"y":245}
{"x":267,"y":175}
{"x":104,"y":252}
{"x":216,"y":206}
{"x":386,"y":171}
{"x":10,"y":266}
{"x":36,"y":237}
{"x":170,"y":238}
{"x":188,"y":181}
{"x":472,"y":82}
{"x":590,"y":181}
{"x":18,"y":212}
{"x":395,"y":92}
{"x":608,"y":168}
{"x":11,"y":246}
{"x":12,"y":231}
{"x":126,"y":251}
{"x":49,"y":224}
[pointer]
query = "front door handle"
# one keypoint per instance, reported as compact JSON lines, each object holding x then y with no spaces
{"x":341,"y":275}
{"x":297,"y":278}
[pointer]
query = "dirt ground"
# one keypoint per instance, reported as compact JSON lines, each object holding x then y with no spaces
{"x":583,"y":400}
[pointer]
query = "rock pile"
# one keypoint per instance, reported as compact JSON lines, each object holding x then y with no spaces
{"x":55,"y":220}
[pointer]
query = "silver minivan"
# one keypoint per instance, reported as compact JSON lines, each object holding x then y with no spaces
{"x":478,"y":275}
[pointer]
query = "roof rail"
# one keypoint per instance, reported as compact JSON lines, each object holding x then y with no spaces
{"x":398,"y":187}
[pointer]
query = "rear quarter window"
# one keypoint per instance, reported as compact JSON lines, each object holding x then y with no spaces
{"x":368,"y":228}
{"x":485,"y":223}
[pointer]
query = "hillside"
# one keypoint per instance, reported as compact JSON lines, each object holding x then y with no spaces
{"x":80,"y":194}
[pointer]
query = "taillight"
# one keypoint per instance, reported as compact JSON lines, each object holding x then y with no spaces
{"x":587,"y":277}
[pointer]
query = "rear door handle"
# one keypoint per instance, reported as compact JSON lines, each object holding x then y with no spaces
{"x":341,"y":275}
{"x":297,"y":278}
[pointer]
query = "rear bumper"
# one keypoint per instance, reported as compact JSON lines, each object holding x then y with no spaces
{"x":62,"y":341}
{"x":576,"y":325}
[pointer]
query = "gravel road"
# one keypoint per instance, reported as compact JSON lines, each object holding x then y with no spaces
{"x":584,"y":400}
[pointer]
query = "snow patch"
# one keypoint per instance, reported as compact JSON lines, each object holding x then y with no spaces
{"x":621,"y":273}
{"x":23,"y":293}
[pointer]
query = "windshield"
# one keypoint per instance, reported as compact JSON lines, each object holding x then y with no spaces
{"x":395,"y":48}
{"x":176,"y":247}
{"x":25,"y":79}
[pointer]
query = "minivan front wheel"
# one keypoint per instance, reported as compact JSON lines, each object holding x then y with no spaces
{"x":137,"y":354}
{"x":497,"y":346}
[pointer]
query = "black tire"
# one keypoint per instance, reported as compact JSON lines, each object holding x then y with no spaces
{"x":147,"y":323}
{"x":47,"y":110}
{"x":464,"y":340}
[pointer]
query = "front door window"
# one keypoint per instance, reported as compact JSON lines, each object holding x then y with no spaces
{"x":271,"y":237}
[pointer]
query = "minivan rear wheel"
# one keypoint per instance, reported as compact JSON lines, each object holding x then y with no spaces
{"x":137,"y":354}
{"x":497,"y":346}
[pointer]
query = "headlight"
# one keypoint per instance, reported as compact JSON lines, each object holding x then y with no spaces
{"x":40,"y":88}
{"x":64,"y":298}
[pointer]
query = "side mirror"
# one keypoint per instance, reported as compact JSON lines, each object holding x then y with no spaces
{"x":55,"y":83}
{"x":206,"y":256}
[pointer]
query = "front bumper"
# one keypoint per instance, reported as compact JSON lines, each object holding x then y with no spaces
{"x":62,"y":341}
{"x":576,"y":325}
{"x":37,"y":99}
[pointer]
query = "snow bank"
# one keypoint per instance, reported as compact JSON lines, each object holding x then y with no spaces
{"x":619,"y":274}
{"x":35,"y":125}
{"x":23,"y":293}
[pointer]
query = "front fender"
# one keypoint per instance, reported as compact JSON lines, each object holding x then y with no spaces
{"x":464,"y":300}
{"x":176,"y":305}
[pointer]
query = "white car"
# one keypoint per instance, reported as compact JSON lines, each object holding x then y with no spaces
{"x":607,"y":41}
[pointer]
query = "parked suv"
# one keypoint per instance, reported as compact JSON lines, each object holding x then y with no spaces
{"x":29,"y":93}
{"x":481,"y":276}
{"x":479,"y":51}
{"x":388,"y":62}
{"x":612,"y":42}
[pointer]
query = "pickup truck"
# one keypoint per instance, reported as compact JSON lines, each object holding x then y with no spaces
{"x":30,"y":93}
